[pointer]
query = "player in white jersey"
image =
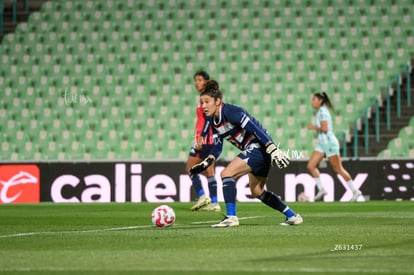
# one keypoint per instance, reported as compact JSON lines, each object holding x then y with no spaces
{"x":327,"y":145}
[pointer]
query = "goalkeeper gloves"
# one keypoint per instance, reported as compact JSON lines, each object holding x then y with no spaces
{"x":200,"y":167}
{"x":278,"y":158}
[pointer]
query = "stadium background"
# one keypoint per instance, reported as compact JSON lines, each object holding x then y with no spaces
{"x":109,"y":81}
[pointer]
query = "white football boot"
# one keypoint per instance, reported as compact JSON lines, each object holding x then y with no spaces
{"x":215,"y":207}
{"x":320,"y":195}
{"x":232,"y":221}
{"x":202,"y":201}
{"x":295,"y":220}
{"x":356,"y":195}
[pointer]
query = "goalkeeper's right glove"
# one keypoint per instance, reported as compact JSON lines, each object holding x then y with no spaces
{"x":200,"y":167}
{"x":278,"y":158}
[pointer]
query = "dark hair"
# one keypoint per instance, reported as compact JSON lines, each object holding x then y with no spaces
{"x":212,"y":89}
{"x":203,"y":74}
{"x":325,"y":100}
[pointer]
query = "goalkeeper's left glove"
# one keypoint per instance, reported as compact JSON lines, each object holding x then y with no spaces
{"x":200,"y":167}
{"x":278,"y":158}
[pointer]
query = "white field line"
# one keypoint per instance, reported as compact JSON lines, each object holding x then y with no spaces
{"x":72,"y":231}
{"x":25,"y":234}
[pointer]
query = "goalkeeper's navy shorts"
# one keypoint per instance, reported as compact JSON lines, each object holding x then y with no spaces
{"x":256,"y":157}
{"x":203,"y":153}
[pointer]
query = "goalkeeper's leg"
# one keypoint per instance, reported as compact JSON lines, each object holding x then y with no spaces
{"x":235,"y":169}
{"x":272,"y":200}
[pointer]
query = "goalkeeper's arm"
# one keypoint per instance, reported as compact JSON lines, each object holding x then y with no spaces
{"x":200,"y":167}
{"x":217,"y":147}
{"x":218,"y":141}
{"x":214,"y":154}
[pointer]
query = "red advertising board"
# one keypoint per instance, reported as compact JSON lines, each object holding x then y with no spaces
{"x":19,"y":183}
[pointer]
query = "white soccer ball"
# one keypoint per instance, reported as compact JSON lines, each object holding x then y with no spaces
{"x":163,"y":216}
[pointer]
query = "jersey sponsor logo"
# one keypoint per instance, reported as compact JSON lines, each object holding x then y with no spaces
{"x":19,"y":184}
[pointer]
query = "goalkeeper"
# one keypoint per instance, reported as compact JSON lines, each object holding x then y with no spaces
{"x":259,"y":152}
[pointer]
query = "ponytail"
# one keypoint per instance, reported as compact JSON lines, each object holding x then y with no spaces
{"x":212,"y":89}
{"x":325,"y":100}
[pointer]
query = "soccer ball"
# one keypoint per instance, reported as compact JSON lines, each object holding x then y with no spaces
{"x":163,"y":216}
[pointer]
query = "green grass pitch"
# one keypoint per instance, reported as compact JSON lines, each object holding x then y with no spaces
{"x":375,"y":237}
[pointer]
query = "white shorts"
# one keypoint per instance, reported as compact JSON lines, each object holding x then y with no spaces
{"x":329,"y":149}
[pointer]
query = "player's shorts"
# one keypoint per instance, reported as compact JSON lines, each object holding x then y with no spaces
{"x":203,"y":153}
{"x":329,"y":149}
{"x":256,"y":157}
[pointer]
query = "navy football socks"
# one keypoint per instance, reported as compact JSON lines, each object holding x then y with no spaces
{"x":229,"y":193}
{"x":212,"y":188}
{"x":195,"y":179}
{"x":271,"y":199}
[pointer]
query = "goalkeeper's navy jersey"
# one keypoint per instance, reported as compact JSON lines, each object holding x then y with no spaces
{"x":238,"y":127}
